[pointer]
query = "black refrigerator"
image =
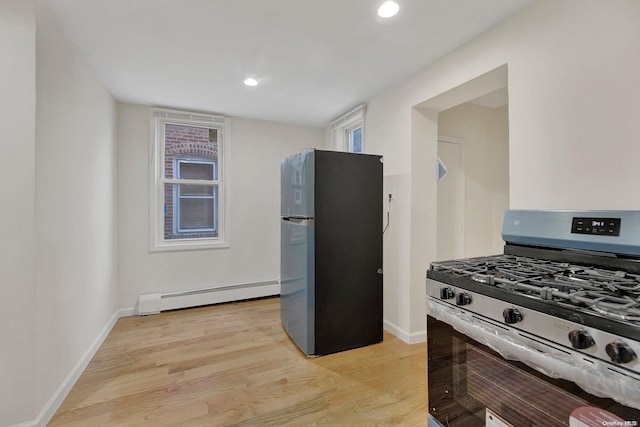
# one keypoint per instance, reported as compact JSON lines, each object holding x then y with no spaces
{"x":331,"y":250}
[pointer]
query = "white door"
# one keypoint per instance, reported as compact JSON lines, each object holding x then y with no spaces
{"x":450,"y":219}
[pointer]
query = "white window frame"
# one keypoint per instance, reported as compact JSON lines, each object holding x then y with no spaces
{"x":159,"y":118}
{"x":343,"y":125}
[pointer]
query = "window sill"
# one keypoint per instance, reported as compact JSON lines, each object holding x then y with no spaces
{"x":187,"y":245}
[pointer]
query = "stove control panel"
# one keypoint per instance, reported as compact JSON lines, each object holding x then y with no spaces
{"x":599,"y":226}
{"x":616,"y":232}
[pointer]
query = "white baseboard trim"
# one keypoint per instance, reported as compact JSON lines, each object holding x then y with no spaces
{"x":208,"y":296}
{"x":31,"y":423}
{"x":409,"y":338}
{"x":61,"y":393}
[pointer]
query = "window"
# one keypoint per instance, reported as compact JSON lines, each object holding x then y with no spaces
{"x":355,"y":139}
{"x":187,"y":206}
{"x":348,"y":131}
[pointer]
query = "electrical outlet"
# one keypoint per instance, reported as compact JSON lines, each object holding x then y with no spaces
{"x":391,"y":193}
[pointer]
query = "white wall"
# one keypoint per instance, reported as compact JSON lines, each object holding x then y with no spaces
{"x":253,"y":178}
{"x":484,"y":134}
{"x":76,"y":272}
{"x":573,"y":86}
{"x":17,"y":209}
{"x":58,"y":201}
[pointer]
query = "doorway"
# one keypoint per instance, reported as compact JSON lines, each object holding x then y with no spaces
{"x":426,"y":128}
{"x":450,"y":239}
{"x":484,"y":128}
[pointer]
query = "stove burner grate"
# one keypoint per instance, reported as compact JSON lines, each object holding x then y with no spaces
{"x":615,"y":294}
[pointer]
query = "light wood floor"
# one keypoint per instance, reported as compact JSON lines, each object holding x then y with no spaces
{"x":233,"y":365}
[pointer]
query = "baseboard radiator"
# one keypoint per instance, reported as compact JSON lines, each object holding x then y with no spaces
{"x":154,"y":303}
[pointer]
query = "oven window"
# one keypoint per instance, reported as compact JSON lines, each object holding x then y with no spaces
{"x":467,"y":381}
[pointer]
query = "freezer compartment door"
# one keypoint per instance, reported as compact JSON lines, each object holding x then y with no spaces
{"x":297,"y":282}
{"x":297,"y":185}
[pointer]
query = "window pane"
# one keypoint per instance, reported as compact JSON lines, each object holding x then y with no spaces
{"x":189,"y":170}
{"x":190,"y":211}
{"x":196,"y":214}
{"x":192,"y":142}
{"x":355,"y":140}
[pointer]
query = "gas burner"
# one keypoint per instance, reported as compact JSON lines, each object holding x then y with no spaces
{"x":483,"y":278}
{"x":628,"y":312}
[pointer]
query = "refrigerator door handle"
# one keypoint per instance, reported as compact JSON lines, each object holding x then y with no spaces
{"x":305,"y":222}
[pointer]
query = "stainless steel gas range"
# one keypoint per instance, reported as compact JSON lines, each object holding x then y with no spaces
{"x":547,"y":333}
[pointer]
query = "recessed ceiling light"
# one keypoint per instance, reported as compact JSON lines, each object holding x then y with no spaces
{"x":388,"y":9}
{"x":251,"y":82}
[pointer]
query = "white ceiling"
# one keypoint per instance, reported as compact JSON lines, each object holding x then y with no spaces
{"x":314,"y":59}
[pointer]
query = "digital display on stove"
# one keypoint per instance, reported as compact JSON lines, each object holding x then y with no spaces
{"x":598,"y":226}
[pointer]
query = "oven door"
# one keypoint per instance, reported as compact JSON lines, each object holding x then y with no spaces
{"x":471,"y":385}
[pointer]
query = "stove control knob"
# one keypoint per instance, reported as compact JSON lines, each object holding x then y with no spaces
{"x":580,"y":339}
{"x":447,"y":293}
{"x":511,"y":315}
{"x":463,"y":298}
{"x":620,"y":352}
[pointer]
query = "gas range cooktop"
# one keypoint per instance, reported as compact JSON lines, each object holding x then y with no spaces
{"x":576,"y":269}
{"x":581,"y":266}
{"x":611,"y":293}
